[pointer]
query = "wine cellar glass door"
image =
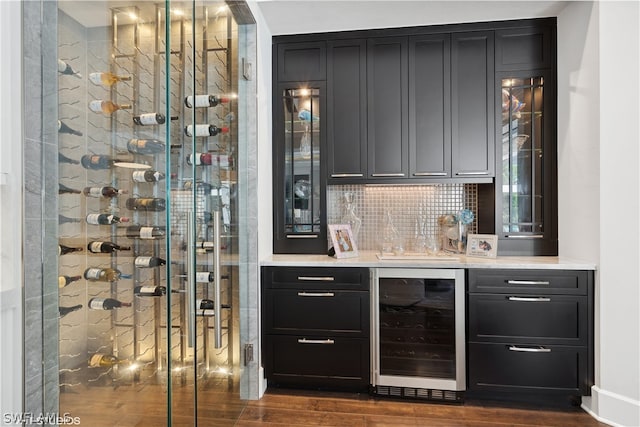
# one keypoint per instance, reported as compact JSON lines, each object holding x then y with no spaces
{"x":148,"y":265}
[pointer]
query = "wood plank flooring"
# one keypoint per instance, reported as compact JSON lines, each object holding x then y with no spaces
{"x":145,"y":406}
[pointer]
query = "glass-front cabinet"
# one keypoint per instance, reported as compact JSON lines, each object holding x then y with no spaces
{"x":300,"y":214}
{"x":524,"y":190}
{"x":152,"y":100}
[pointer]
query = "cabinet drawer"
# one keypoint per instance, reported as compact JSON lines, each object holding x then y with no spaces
{"x":553,"y":319}
{"x":317,"y":361}
{"x":534,"y":281}
{"x":519,"y":368}
{"x":302,"y":311}
{"x":317,"y":278}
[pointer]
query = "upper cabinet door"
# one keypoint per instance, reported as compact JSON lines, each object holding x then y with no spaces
{"x":472,"y":95}
{"x":429,"y":106}
{"x":524,"y":48}
{"x":346,"y":111}
{"x":387,"y":108}
{"x":302,"y":62}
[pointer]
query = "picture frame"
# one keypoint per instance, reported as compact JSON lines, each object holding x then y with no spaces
{"x":482,"y":245}
{"x":343,"y":242}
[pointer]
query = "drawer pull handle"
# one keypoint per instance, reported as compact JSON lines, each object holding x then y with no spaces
{"x":524,"y":236}
{"x":472,"y":173}
{"x":346,"y":175}
{"x":306,"y":341}
{"x":528,"y":282}
{"x":302,"y":236}
{"x":529,"y":349}
{"x":316,"y":294}
{"x":388,"y":175}
{"x":530,"y":299}
{"x":316,"y":279}
{"x":430,"y":174}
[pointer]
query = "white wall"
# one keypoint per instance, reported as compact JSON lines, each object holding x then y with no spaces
{"x":598,"y":158}
{"x":10,"y":209}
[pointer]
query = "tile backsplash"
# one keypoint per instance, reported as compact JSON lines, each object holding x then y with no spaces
{"x":406,"y":203}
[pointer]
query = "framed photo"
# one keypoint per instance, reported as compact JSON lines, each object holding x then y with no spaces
{"x":482,"y":245}
{"x":343,"y":243}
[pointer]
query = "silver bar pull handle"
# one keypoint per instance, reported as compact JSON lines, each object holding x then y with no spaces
{"x":528,"y":282}
{"x":217,"y":305}
{"x":316,"y":278}
{"x":302,"y":236}
{"x":316,"y":294}
{"x":472,"y":173}
{"x":430,"y":174}
{"x":191,"y":280}
{"x":306,"y":341}
{"x":530,"y":299}
{"x":530,"y":349}
{"x":346,"y":175}
{"x":382,"y":175}
{"x":524,"y":236}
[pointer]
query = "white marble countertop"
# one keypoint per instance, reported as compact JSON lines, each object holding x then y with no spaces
{"x":370,"y":259}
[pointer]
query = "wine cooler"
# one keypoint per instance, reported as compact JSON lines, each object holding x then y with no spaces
{"x":418,"y":347}
{"x":153,"y":101}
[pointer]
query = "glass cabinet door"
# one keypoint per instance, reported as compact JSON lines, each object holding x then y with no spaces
{"x":523,"y":139}
{"x":301,"y":201}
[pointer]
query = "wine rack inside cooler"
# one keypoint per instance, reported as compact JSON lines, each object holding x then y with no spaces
{"x":153,"y":68}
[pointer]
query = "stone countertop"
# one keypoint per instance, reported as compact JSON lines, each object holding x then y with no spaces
{"x":370,"y":259}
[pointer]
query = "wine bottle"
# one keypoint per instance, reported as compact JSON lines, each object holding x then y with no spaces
{"x":100,"y":247}
{"x":96,"y":274}
{"x":148,"y":261}
{"x":145,"y":232}
{"x":147,"y":176}
{"x":107,"y":107}
{"x":204,"y":130}
{"x":101,"y":360}
{"x":152,"y":204}
{"x":97,"y":161}
{"x":149,"y":119}
{"x":107,"y":78}
{"x":223,"y":161}
{"x":149,"y":291}
{"x":63,"y":250}
{"x":105,"y":219}
{"x":107,"y":192}
{"x":106,"y":303}
{"x":64,"y":128}
{"x":64,"y":68}
{"x":66,"y":310}
{"x":65,"y":280}
{"x":145,"y":146}
{"x":65,"y":219}
{"x":63,"y":189}
{"x":204,"y":101}
{"x":204,"y":277}
{"x":64,"y":159}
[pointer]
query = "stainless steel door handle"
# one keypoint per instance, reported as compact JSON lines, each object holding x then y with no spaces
{"x":530,"y":299}
{"x":472,"y":173}
{"x":316,"y":294}
{"x":191,"y":280}
{"x":316,"y":279}
{"x":306,"y":341}
{"x":217,"y":305}
{"x":430,"y":174}
{"x":528,"y":282}
{"x":530,"y":349}
{"x":382,"y":175}
{"x":346,"y":175}
{"x":302,"y":236}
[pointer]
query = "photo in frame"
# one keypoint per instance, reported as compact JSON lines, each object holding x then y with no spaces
{"x":482,"y":245}
{"x":343,"y":242}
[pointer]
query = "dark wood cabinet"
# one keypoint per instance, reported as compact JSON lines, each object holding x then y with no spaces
{"x":301,"y":62}
{"x":525,"y":48}
{"x":346,"y":110}
{"x":472,"y":94}
{"x":316,"y":327}
{"x":387,"y":108}
{"x":530,"y":332}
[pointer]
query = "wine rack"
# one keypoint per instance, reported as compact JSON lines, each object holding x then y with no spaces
{"x":160,"y":69}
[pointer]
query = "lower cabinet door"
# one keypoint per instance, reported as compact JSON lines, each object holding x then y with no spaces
{"x":318,"y":362}
{"x":525,"y":368}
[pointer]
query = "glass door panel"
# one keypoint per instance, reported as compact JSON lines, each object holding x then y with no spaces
{"x":522,"y":156}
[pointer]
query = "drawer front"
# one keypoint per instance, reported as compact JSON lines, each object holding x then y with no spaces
{"x":317,"y":278}
{"x":316,"y":312}
{"x":553,"y":319}
{"x":547,"y":281}
{"x":317,"y":361}
{"x":528,"y":369}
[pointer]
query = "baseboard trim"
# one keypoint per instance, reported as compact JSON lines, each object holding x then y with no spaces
{"x":612,"y":408}
{"x":262,"y":383}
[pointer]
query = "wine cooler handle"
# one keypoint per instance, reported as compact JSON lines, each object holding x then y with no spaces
{"x":217,"y":306}
{"x":191,"y":280}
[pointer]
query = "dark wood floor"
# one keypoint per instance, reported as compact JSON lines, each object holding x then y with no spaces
{"x":142,"y":406}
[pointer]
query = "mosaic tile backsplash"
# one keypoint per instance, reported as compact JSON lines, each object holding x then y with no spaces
{"x":407,"y":204}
